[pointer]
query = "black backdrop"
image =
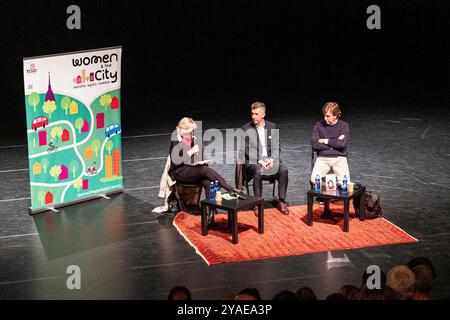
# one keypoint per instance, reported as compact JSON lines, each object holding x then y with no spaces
{"x":185,"y":55}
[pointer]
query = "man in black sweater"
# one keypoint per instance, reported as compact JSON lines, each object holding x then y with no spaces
{"x":260,"y":151}
{"x":329,"y":139}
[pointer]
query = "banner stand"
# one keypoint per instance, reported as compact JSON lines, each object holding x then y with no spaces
{"x":73,"y":116}
{"x":54,"y":208}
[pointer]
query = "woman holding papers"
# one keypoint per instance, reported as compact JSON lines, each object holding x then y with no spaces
{"x":187,"y":164}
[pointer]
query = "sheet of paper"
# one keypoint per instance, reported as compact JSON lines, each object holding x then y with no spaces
{"x":200,"y":162}
{"x":228,"y":196}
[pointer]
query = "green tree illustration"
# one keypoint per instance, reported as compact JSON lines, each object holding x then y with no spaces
{"x":56,"y":132}
{"x":73,"y":167}
{"x":49,"y":107}
{"x":65,"y":104}
{"x":109,"y":146}
{"x":79,"y":124}
{"x":34,"y":99}
{"x":55,"y":171}
{"x":41,"y":197}
{"x":44,"y":164}
{"x":105,"y":100}
{"x":96,"y":145}
{"x":77,"y":184}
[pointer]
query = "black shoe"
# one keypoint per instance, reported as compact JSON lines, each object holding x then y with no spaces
{"x":283,"y":208}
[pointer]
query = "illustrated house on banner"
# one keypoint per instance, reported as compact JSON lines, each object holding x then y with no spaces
{"x":64,"y":173}
{"x":48,"y":197}
{"x":73,"y":108}
{"x":100,"y":120}
{"x":108,"y":166}
{"x":37,"y":168}
{"x":115,"y":103}
{"x":88,"y":152}
{"x":65,"y":135}
{"x":85,"y":127}
{"x":42,"y":138}
{"x":116,"y":162}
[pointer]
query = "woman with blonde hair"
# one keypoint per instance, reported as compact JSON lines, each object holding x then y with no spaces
{"x":185,"y":156}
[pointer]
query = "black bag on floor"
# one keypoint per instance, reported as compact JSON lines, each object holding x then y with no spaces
{"x":372,"y":205}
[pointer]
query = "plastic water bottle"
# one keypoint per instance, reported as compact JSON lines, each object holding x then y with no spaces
{"x":212,"y":192}
{"x":216,"y":186}
{"x":317,"y":189}
{"x":344,"y":184}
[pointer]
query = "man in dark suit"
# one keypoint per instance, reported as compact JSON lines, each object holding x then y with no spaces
{"x":260,"y":150}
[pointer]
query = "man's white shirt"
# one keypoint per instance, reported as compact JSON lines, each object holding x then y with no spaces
{"x":262,"y":139}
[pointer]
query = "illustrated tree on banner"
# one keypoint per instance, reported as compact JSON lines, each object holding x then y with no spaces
{"x":34,"y":99}
{"x":49,"y":107}
{"x":44,"y":164}
{"x":109,"y":146}
{"x":96,"y":145}
{"x":65,"y":104}
{"x":41,"y":197}
{"x":56,"y":132}
{"x":79,"y":124}
{"x":55,"y":171}
{"x":73,"y":167}
{"x":105,"y":100}
{"x":77,"y":184}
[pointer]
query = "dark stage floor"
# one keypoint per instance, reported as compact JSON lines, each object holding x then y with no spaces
{"x":127,"y":252}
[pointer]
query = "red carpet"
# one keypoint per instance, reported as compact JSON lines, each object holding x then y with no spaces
{"x":285,"y":235}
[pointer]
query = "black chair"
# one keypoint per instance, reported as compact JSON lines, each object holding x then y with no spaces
{"x":270,"y":179}
{"x":189,"y":197}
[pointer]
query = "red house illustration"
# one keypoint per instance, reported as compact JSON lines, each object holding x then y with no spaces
{"x":115,"y":103}
{"x":79,"y":79}
{"x":43,"y":138}
{"x":85,"y":184}
{"x":65,"y":135}
{"x":64,"y":173}
{"x":48,"y":197}
{"x":116,"y":162}
{"x":100,"y":120}
{"x":85,"y":127}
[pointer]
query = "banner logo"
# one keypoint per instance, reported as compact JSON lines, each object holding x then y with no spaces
{"x":32,"y":69}
{"x":102,"y":74}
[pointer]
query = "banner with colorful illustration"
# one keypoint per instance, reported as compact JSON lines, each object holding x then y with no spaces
{"x":73,"y":104}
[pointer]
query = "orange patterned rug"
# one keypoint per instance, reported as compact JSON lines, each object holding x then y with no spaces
{"x":285,"y":235}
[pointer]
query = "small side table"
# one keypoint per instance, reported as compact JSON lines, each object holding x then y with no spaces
{"x":233,"y":207}
{"x":337,"y":195}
